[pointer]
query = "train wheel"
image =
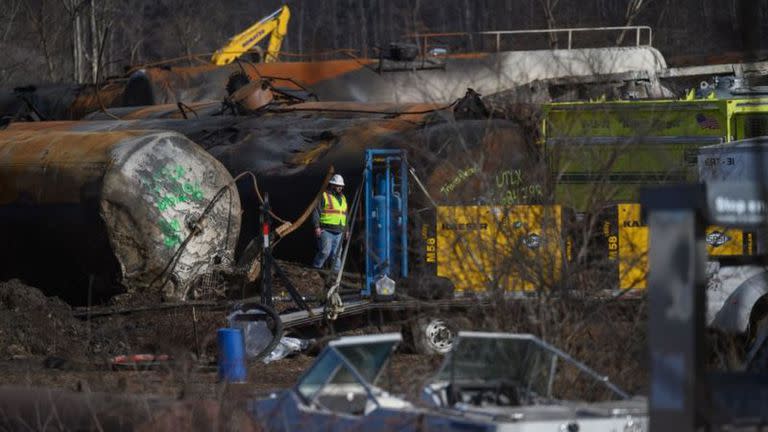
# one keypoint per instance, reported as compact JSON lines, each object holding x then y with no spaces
{"x":434,"y":335}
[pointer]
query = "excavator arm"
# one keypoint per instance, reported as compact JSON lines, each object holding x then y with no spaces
{"x":275,"y":24}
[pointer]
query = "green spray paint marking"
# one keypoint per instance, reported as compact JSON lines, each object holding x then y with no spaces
{"x":172,"y":185}
{"x":166,"y":202}
{"x":171,"y":232}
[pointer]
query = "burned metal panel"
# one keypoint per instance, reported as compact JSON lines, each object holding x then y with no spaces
{"x":356,"y":80}
{"x":192,"y":110}
{"x":157,"y":86}
{"x":57,"y":101}
{"x":119,"y":206}
{"x":485,"y":73}
{"x":161,"y":85}
{"x":203,"y":109}
{"x":360,"y":80}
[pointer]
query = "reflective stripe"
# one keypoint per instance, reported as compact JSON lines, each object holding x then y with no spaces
{"x":334,"y":213}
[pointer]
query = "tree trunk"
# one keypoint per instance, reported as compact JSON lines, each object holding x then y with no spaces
{"x":75,"y":56}
{"x":413,"y":17}
{"x":634,"y":7}
{"x":468,"y":24}
{"x":363,"y":28}
{"x":443,"y":20}
{"x":136,"y":52}
{"x":48,"y":58}
{"x":12,"y":10}
{"x":110,"y":50}
{"x":76,"y":48}
{"x":335,"y":24}
{"x":300,"y":32}
{"x":733,"y":14}
{"x":389,"y":27}
{"x":549,"y":14}
{"x":77,"y":41}
{"x":94,"y":44}
{"x":750,"y":13}
{"x":37,"y":19}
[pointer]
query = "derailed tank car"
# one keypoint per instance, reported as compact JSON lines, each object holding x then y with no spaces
{"x":137,"y":209}
{"x":458,"y":156}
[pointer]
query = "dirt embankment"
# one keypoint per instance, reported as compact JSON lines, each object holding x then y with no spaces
{"x":42,"y":343}
{"x":33,"y":325}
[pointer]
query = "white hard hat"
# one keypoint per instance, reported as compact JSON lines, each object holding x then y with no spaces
{"x":337,"y":180}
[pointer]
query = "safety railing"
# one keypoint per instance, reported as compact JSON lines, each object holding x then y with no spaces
{"x":639,"y":32}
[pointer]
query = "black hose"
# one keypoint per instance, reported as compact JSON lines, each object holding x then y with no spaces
{"x":277,"y":331}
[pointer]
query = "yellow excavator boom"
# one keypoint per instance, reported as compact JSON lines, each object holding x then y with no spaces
{"x":274,"y":24}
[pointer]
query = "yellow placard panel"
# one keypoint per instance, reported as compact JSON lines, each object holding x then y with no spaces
{"x":632,"y":247}
{"x":512,"y":248}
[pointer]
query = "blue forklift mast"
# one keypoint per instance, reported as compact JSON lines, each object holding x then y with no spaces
{"x":386,"y":221}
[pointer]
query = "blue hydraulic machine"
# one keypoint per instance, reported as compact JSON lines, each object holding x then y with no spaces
{"x":386,"y":221}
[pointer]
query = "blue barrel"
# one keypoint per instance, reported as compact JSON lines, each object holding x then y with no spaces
{"x":231,"y":356}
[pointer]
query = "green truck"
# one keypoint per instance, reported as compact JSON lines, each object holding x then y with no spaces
{"x":599,"y":154}
{"x":629,"y":144}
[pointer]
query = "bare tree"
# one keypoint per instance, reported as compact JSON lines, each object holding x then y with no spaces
{"x":102,"y":19}
{"x":187,"y":33}
{"x":46,"y":28}
{"x":7,"y":19}
{"x":634,"y":7}
{"x":148,"y":31}
{"x":94,"y":42}
{"x":549,"y":6}
{"x":363,"y":29}
{"x":74,"y":9}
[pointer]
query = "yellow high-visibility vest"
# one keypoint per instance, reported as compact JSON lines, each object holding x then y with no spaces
{"x":334,"y":212}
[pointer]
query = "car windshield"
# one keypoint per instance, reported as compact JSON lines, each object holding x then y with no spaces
{"x":352,"y":364}
{"x":368,"y":359}
{"x":523,"y":361}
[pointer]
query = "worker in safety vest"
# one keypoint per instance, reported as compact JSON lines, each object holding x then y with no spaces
{"x":329,"y":220}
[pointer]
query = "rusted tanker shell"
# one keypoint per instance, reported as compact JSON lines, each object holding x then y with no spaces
{"x":459,"y":161}
{"x":156,"y":85}
{"x":121,"y":206}
{"x":166,"y":111}
{"x":197,"y":110}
